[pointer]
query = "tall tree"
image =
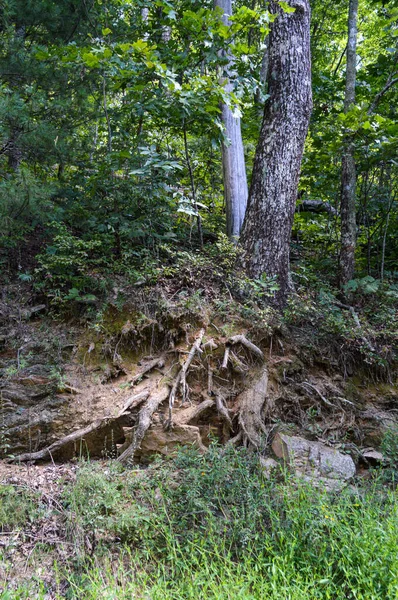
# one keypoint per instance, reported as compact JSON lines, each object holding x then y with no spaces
{"x":267,"y":227}
{"x":348,"y":169}
{"x":233,"y":157}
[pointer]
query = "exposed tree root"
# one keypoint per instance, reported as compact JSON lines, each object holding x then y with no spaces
{"x":226,"y":357}
{"x":222,"y":409}
{"x":241,"y":339}
{"x":250,"y":430}
{"x":144,"y":422}
{"x":250,"y":420}
{"x":182,"y":375}
{"x":156,"y":363}
{"x":193,"y":412}
{"x":132,"y":402}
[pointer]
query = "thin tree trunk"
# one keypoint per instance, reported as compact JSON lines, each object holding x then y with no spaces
{"x":348,"y":168}
{"x":233,"y":158}
{"x":268,"y":224}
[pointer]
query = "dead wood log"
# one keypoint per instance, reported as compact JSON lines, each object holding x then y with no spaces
{"x":250,"y":414}
{"x":81,"y":433}
{"x":241,"y":339}
{"x":144,"y":422}
{"x":180,"y":380}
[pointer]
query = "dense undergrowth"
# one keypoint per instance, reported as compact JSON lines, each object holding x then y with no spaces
{"x":208,"y":526}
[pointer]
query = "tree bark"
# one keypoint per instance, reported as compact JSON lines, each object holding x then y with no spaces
{"x":233,"y":158}
{"x":348,"y":168}
{"x":267,"y":227}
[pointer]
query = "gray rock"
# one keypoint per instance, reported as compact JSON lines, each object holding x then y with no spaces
{"x":313,"y":459}
{"x":268,"y":465}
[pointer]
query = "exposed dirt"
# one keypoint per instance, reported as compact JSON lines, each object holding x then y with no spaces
{"x":213,"y":379}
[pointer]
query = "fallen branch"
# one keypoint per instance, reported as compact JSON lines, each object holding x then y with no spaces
{"x":241,"y":339}
{"x":80,"y":433}
{"x":144,"y":422}
{"x":181,"y":377}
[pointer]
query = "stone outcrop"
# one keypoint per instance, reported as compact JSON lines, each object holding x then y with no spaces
{"x":314,"y":460}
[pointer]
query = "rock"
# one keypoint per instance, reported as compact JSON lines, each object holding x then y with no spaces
{"x":313,"y":459}
{"x":159,"y":441}
{"x":268,"y":465}
{"x":372,"y":456}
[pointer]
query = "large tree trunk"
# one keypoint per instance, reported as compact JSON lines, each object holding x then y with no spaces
{"x":233,"y":158}
{"x":268,"y":224}
{"x":348,"y":169}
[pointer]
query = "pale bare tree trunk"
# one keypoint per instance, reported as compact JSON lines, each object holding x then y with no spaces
{"x":348,"y":168}
{"x":233,"y":157}
{"x":267,"y":228}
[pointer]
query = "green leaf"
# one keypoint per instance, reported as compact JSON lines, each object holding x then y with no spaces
{"x":286,"y":7}
{"x":90,"y":59}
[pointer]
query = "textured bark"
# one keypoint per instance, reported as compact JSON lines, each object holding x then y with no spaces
{"x":233,"y":158}
{"x":348,"y":169}
{"x":267,"y":227}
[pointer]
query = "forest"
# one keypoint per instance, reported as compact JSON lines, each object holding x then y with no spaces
{"x":199,"y":299}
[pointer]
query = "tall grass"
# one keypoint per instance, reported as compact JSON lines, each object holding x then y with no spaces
{"x":213,"y":527}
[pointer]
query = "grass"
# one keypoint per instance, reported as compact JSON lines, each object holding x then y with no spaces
{"x":213,"y":527}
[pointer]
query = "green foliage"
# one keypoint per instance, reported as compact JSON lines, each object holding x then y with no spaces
{"x":17,"y":507}
{"x":67,"y":262}
{"x":365,"y":285}
{"x":211,"y":525}
{"x":389,"y":448}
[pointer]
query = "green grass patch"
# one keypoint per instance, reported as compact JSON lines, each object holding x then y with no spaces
{"x":212,"y":526}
